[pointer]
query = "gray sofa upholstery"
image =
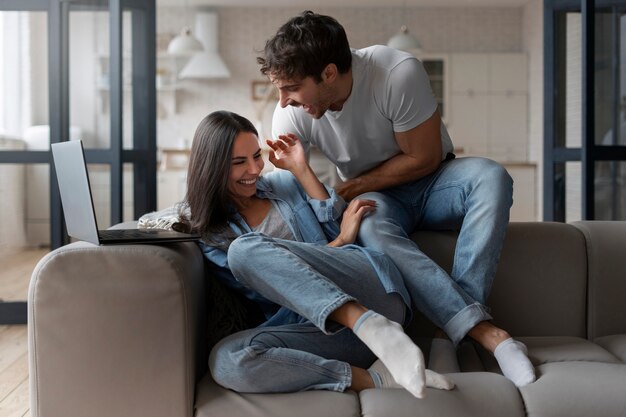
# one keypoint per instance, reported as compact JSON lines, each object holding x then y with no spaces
{"x":122,"y":331}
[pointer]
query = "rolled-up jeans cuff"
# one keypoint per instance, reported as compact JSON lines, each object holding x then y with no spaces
{"x":463,"y":321}
{"x":329,"y":327}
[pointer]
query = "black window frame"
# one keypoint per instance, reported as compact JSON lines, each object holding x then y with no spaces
{"x":143,"y":156}
{"x":555,"y":156}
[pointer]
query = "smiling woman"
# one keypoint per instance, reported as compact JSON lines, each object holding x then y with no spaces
{"x":277,"y":239}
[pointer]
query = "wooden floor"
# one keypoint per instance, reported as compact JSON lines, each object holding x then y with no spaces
{"x":15,"y":271}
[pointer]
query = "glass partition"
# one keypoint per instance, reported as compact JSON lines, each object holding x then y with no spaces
{"x":90,"y":77}
{"x":23,"y":80}
{"x":610,"y":190}
{"x":24,"y":129}
{"x":72,"y":69}
{"x":572,"y":71}
{"x":585,"y":130}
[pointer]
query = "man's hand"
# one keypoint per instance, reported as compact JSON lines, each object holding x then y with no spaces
{"x":349,"y":189}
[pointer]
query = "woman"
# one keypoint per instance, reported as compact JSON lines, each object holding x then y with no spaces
{"x":328,"y":304}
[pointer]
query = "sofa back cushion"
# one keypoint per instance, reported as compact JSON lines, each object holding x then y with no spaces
{"x":541,"y":281}
{"x":606,"y":251}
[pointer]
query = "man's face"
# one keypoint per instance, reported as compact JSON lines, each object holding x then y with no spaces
{"x":315,"y":98}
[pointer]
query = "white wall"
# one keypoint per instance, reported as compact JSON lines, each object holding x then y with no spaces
{"x":242,"y":31}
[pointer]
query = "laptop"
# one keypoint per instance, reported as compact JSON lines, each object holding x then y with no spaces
{"x":77,"y":201}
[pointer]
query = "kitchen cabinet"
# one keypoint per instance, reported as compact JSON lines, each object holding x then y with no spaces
{"x":172,"y":176}
{"x":488,"y":116}
{"x":488,"y":104}
{"x":524,"y":184}
{"x":436,"y":66}
{"x":171,"y":187}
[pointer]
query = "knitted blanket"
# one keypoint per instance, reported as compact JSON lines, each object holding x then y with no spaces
{"x":163,"y":219}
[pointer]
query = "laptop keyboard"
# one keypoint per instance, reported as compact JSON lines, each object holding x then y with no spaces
{"x":127,"y":233}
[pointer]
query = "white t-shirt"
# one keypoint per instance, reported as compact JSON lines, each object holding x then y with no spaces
{"x":390,"y":93}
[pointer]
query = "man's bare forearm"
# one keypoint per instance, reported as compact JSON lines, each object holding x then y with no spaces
{"x":397,"y":170}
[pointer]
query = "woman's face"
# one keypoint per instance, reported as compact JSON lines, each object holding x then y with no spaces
{"x":246,"y":166}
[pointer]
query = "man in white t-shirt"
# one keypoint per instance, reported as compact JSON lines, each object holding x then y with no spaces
{"x":373,"y":114}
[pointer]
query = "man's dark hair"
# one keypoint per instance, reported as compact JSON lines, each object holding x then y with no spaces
{"x":304,"y":46}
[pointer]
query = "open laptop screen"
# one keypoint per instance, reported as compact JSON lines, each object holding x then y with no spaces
{"x":71,"y":171}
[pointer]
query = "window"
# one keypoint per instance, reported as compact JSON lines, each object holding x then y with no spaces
{"x":585,"y":120}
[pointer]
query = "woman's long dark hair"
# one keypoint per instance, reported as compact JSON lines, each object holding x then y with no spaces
{"x":207,"y":195}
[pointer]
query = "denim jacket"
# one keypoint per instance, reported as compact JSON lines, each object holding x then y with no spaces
{"x":311,"y":221}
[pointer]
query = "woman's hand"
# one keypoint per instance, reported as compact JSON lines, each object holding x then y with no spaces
{"x":352,"y":217}
{"x":287,"y":153}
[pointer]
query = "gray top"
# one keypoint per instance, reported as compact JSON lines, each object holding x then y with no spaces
{"x":273,"y":225}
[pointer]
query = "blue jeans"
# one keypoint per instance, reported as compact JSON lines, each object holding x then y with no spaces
{"x":470,"y":194}
{"x":313,"y":281}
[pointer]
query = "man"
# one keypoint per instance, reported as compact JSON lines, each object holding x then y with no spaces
{"x":373,"y":114}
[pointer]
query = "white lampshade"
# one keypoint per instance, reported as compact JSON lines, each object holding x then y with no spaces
{"x":208,"y":63}
{"x":205,"y":65}
{"x":184,"y":44}
{"x":404,"y":41}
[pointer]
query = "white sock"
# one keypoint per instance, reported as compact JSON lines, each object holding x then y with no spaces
{"x":383,"y":379}
{"x":387,"y":340}
{"x":381,"y":376}
{"x":512,"y":356}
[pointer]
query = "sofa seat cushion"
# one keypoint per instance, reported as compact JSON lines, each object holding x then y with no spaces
{"x":473,"y":358}
{"x":476,"y":394}
{"x":563,"y":348}
{"x":213,"y":400}
{"x":616,"y":344}
{"x":577,"y":389}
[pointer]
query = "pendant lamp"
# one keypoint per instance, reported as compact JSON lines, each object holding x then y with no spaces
{"x":405,"y":41}
{"x":184,"y":44}
{"x":208,"y":63}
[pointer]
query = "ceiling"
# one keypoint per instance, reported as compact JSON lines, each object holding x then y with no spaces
{"x":309,"y":4}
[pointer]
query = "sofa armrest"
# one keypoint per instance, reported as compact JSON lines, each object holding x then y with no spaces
{"x":114,"y":330}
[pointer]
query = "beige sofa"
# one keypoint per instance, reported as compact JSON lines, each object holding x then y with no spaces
{"x":122,"y":331}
